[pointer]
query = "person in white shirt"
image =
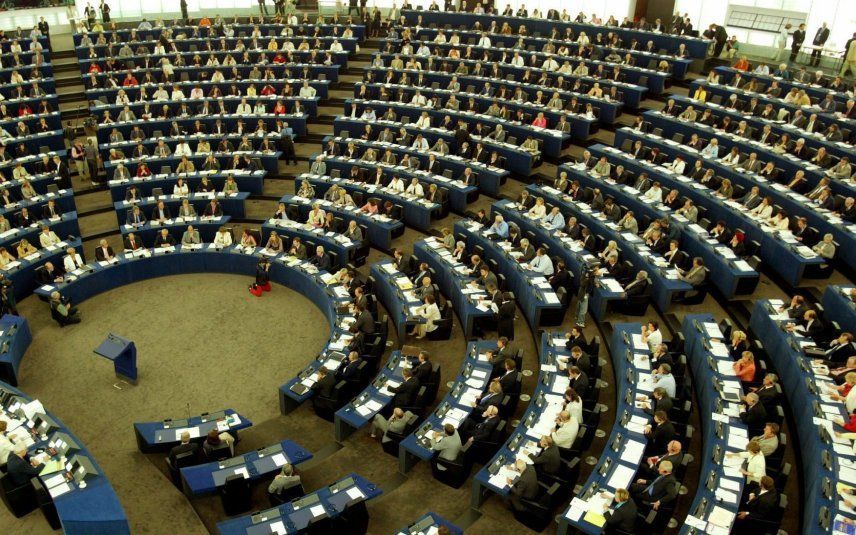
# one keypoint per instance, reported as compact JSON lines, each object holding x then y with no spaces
{"x":554,"y":220}
{"x":651,"y":335}
{"x":177,"y":93}
{"x":46,"y":239}
{"x":368,"y":115}
{"x":765,"y":209}
{"x":420,"y":143}
{"x":517,"y":60}
{"x":441,"y":38}
{"x":756,"y":464}
{"x":542,"y":263}
{"x":566,"y":431}
{"x":779,"y":221}
{"x":223,"y":238}
{"x":336,"y":46}
{"x":122,"y":98}
{"x":72,"y":260}
{"x":415,"y":188}
{"x":244,"y":108}
{"x":423,"y":50}
{"x":160,"y":94}
{"x":307,"y":91}
{"x":484,"y":41}
{"x":424,"y":120}
{"x":431,"y":314}
{"x":180,"y":189}
{"x":183,"y":149}
{"x":550,"y":64}
{"x":418,"y":99}
{"x":654,"y":193}
{"x":538,"y":210}
{"x":732,"y":158}
{"x":678,"y":165}
{"x":396,"y":185}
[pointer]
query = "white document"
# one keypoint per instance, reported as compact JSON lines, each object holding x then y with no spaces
{"x":279,"y":459}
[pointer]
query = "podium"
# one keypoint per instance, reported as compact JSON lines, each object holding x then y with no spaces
{"x":123,"y":353}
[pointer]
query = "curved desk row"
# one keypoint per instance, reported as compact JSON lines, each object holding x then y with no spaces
{"x":343,"y":248}
{"x":158,"y":125}
{"x":828,"y":461}
{"x":538,"y":420}
{"x":258,"y":464}
{"x":577,"y":259}
{"x":417,"y":211}
{"x":429,"y":523}
{"x":381,"y":229}
{"x":311,"y":70}
{"x":840,"y":306}
{"x":488,"y":178}
{"x":473,"y":379}
{"x":458,"y":193}
{"x":374,"y":398}
{"x":53,"y":119}
{"x":149,"y":231}
{"x":295,"y":516}
{"x":726,"y":74}
{"x":22,"y":273}
{"x":75,"y":494}
{"x":455,"y":283}
{"x":63,"y":226}
{"x":664,"y":278}
{"x":517,"y":159}
{"x":532,"y":291}
{"x":229,"y":102}
{"x":734,"y":276}
{"x":249,"y":181}
{"x":128,"y":149}
{"x":268,"y":161}
{"x":241,"y":29}
{"x":718,"y":495}
{"x":394,"y":289}
{"x":231,"y":204}
{"x":154,"y":437}
{"x":697,"y":47}
{"x":34,"y":141}
{"x":15,"y":338}
{"x":626,"y":444}
{"x":95,"y":94}
{"x":63,"y":198}
{"x":773,"y":245}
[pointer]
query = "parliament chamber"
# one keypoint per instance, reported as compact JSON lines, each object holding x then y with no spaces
{"x":430,"y":268}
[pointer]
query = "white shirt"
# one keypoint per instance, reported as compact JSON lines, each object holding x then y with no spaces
{"x":223,"y":239}
{"x":336,"y":47}
{"x":431,"y":313}
{"x":6,"y":448}
{"x":654,"y":194}
{"x":397,"y":185}
{"x":183,"y":149}
{"x":756,"y":466}
{"x":677,"y":166}
{"x":244,"y":109}
{"x":307,"y":91}
{"x":180,"y":190}
{"x":565,"y":435}
{"x":415,"y":189}
{"x":72,"y":263}
{"x":517,"y":61}
{"x":655,"y":338}
{"x":419,"y":100}
{"x":424,"y":121}
{"x":542,"y":264}
{"x":45,"y":239}
{"x":538,"y":211}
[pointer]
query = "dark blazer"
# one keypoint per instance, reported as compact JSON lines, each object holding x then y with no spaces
{"x":486,"y":401}
{"x":483,"y":430}
{"x":755,"y":416}
{"x":322,"y":262}
{"x":325,"y":386}
{"x":580,"y":384}
{"x":405,"y":393}
{"x":423,"y":371}
{"x":350,"y":369}
{"x":663,"y":490}
{"x":508,"y":381}
{"x":166,"y":213}
{"x":621,"y":518}
{"x":182,"y":448}
{"x":365,"y":322}
{"x":660,"y":437}
{"x":99,"y":253}
{"x":548,"y":461}
{"x":763,"y":505}
{"x":526,"y":485}
{"x":20,"y":471}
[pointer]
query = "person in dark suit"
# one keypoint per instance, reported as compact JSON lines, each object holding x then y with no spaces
{"x":754,"y":415}
{"x":508,"y":380}
{"x":325,"y":384}
{"x":561,"y":278}
{"x":404,"y":395}
{"x":525,"y":487}
{"x":659,"y":401}
{"x":623,"y":514}
{"x":422,"y":370}
{"x":659,"y":491}
{"x":365,"y":322}
{"x":580,"y":359}
{"x":579,"y":380}
{"x":659,"y":434}
{"x":350,"y":366}
{"x":185,"y":446}
{"x":759,"y":507}
{"x":548,"y":460}
{"x":321,"y":260}
{"x":819,"y":40}
{"x":480,"y":431}
{"x":20,"y":468}
{"x":492,"y":396}
{"x":797,"y":41}
{"x":650,"y":466}
{"x":575,"y":338}
{"x":132,"y":242}
{"x":104,"y":253}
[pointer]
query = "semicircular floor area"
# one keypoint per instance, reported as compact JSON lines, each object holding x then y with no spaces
{"x":203,"y":343}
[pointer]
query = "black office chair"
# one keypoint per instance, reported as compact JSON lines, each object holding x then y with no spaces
{"x":19,"y":499}
{"x":451,"y":473}
{"x":235,"y":495}
{"x":220,"y":452}
{"x":46,"y":504}
{"x":291,"y":493}
{"x":537,"y":513}
{"x":182,"y":460}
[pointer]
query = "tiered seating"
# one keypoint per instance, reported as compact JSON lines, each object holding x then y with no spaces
{"x":813,"y":90}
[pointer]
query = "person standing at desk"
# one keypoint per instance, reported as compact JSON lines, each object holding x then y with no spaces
{"x":796,"y":41}
{"x":819,"y":40}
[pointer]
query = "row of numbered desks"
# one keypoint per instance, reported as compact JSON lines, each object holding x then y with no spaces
{"x":199,"y":45}
{"x":63,"y":198}
{"x":489,"y":178}
{"x":79,"y":496}
{"x":472,"y":379}
{"x":838,"y":149}
{"x":373,"y":399}
{"x":537,"y":421}
{"x":697,"y":47}
{"x":241,"y":30}
{"x":664,"y":278}
{"x":249,"y":181}
{"x":532,"y":291}
{"x":53,"y":118}
{"x":15,"y":338}
{"x":459,"y":194}
{"x":148,"y":232}
{"x":296,"y":124}
{"x":395,"y":290}
{"x":608,"y":110}
{"x":576,"y":258}
{"x":336,"y":243}
{"x":773,"y":245}
{"x":828,"y":462}
{"x":65,"y":226}
{"x":34,"y":141}
{"x":626,"y":444}
{"x":47,"y":83}
{"x":285,"y":70}
{"x":416,"y":211}
{"x":230,"y":104}
{"x":454,"y":281}
{"x":269,"y":162}
{"x":232,"y":204}
{"x":839,"y":306}
{"x":381,"y":229}
{"x":517,"y":160}
{"x":718,"y":495}
{"x":206,"y":478}
{"x":161,"y":436}
{"x":814,"y":91}
{"x":322,"y":88}
{"x":300,"y":514}
{"x":733,"y":275}
{"x":725,"y":92}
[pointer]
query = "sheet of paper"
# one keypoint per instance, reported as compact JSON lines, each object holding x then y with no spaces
{"x":317,"y":510}
{"x":355,"y":493}
{"x":279,"y":459}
